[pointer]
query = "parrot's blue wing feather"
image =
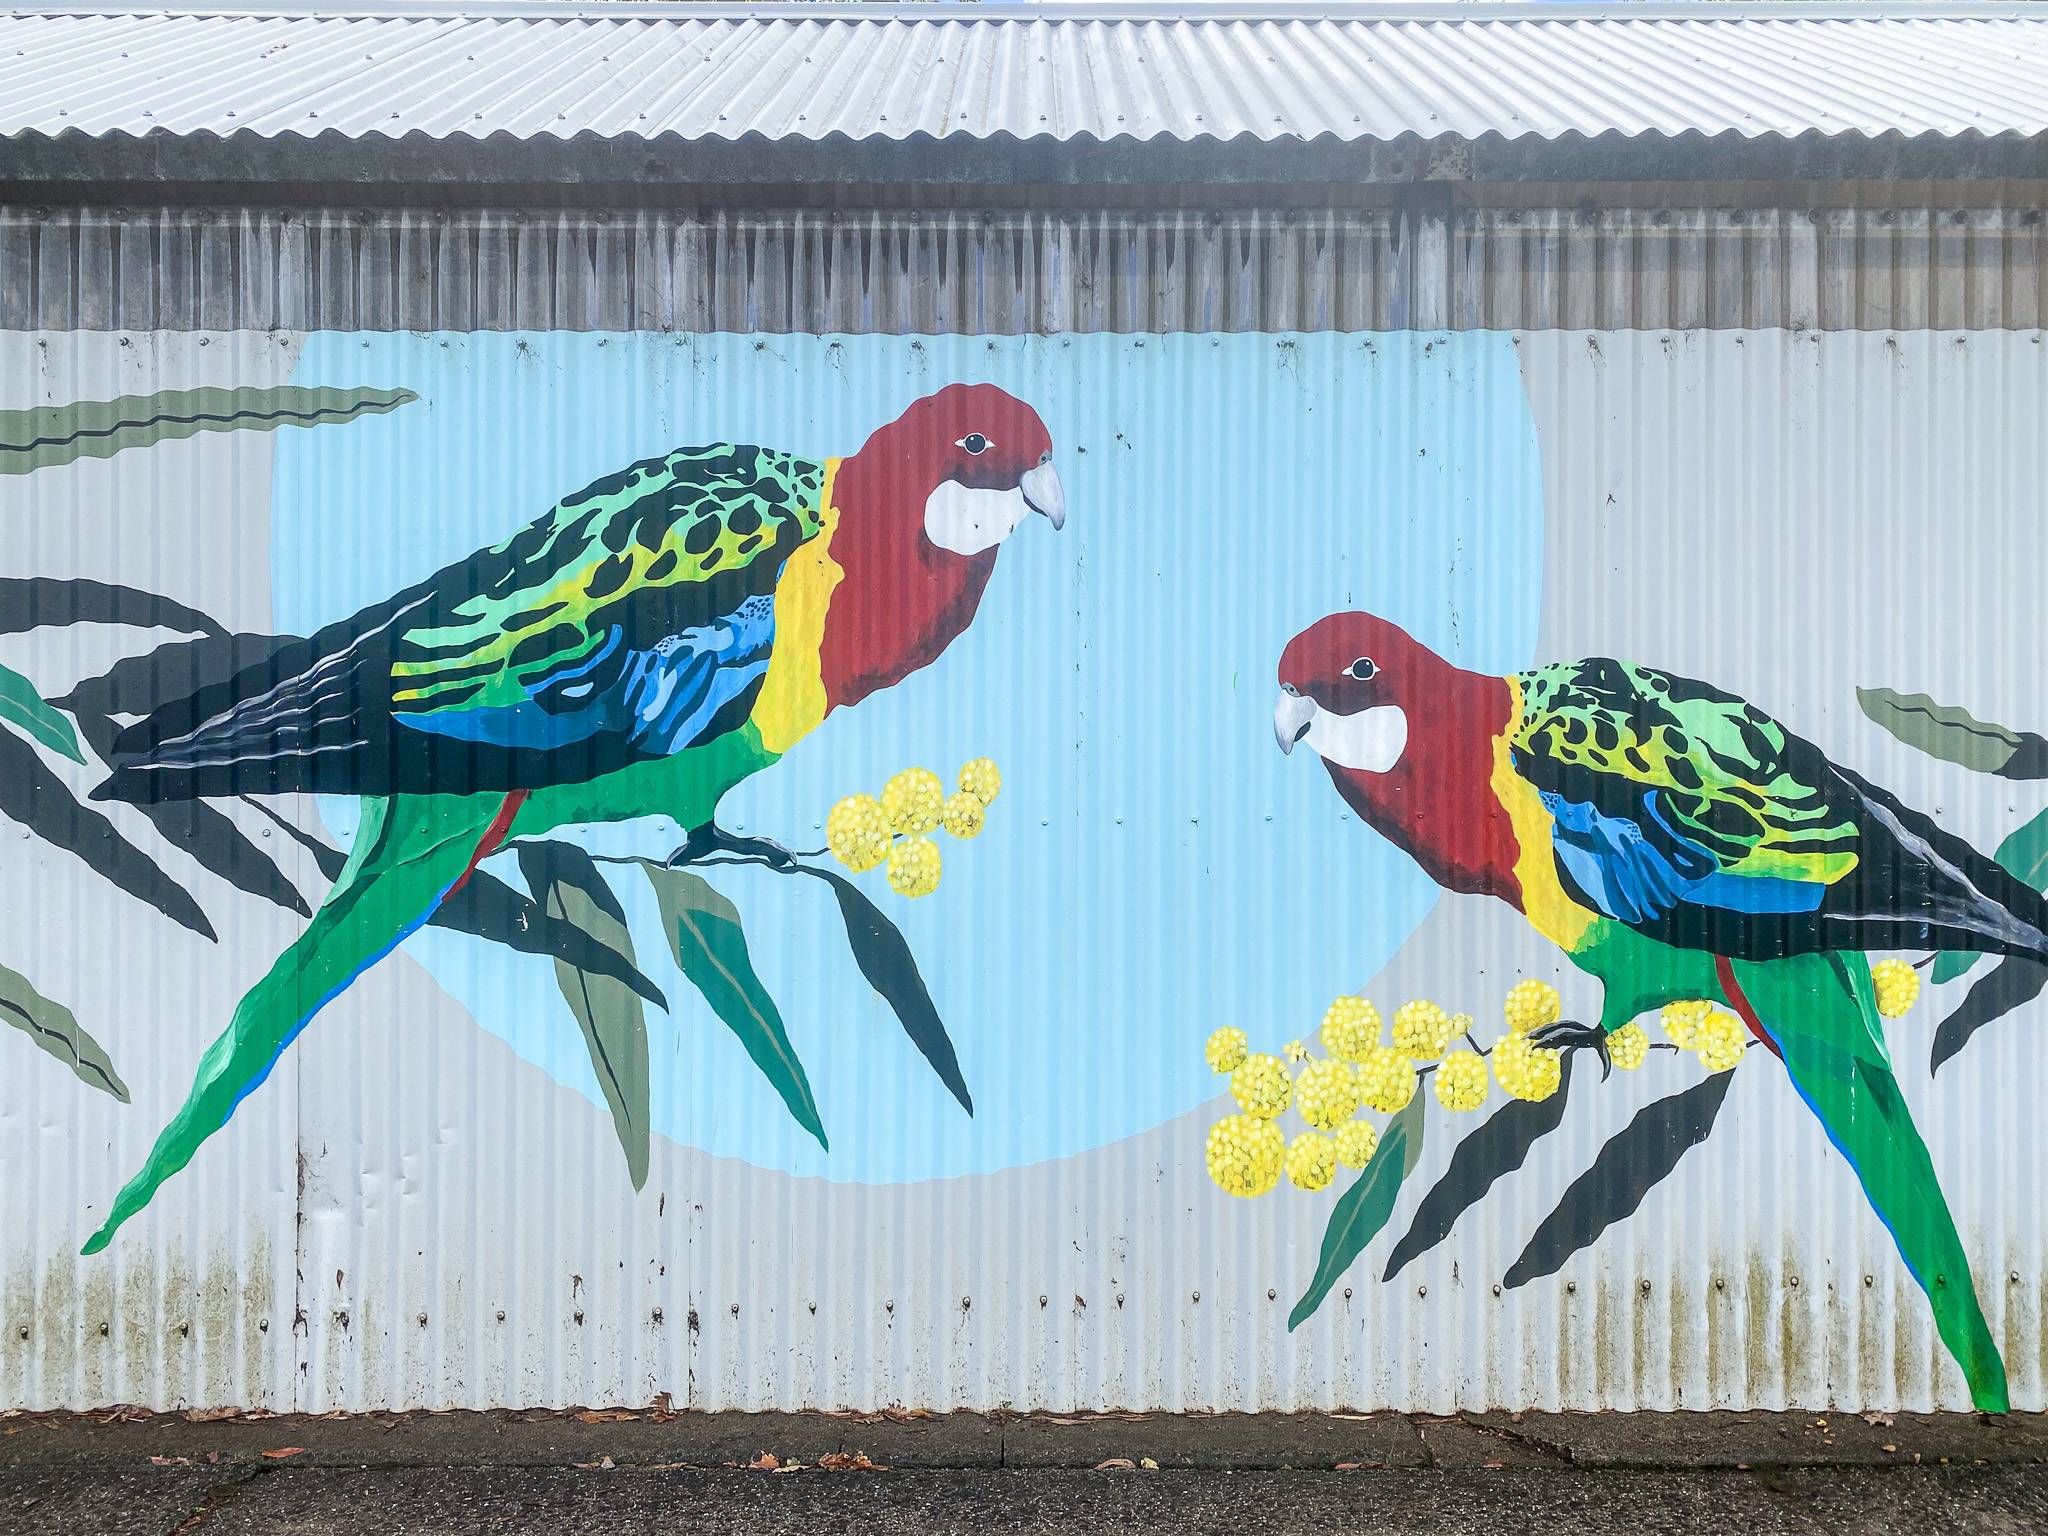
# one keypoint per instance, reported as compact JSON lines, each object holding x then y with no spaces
{"x":661,"y":696}
{"x":1638,"y":868}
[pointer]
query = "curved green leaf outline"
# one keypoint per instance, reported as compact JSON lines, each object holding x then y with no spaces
{"x":23,"y":708}
{"x":1497,"y":1149}
{"x":1955,"y":735}
{"x":1365,"y":1206}
{"x":46,"y":436}
{"x":710,"y":946}
{"x":1635,"y":1160}
{"x":52,"y":1026}
{"x":885,"y":959}
{"x":568,"y":887}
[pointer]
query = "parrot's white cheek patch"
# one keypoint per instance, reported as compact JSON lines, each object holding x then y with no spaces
{"x":1370,"y":741}
{"x":967,"y":521}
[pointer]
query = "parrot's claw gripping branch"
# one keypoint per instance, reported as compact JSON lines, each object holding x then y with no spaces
{"x":1571,"y":1035}
{"x":708,"y":842}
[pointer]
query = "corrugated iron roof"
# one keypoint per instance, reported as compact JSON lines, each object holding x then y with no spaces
{"x":1046,"y":71}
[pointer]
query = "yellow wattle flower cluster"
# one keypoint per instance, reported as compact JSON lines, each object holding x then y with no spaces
{"x":1311,"y":1161}
{"x":1628,"y":1047}
{"x":1326,"y":1093}
{"x":1531,"y":1004}
{"x":914,"y":867}
{"x":1422,"y":1030}
{"x":1524,"y":1070}
{"x":1351,"y":1029}
{"x":864,"y":832}
{"x":1720,"y":1042}
{"x":1386,"y":1082}
{"x":1262,"y":1087}
{"x":912,"y":801}
{"x":858,"y":833}
{"x":1460,"y":1081}
{"x":1226,"y":1050}
{"x":1897,"y":986}
{"x":1357,"y":1140}
{"x":1244,"y":1155}
{"x":1682,"y":1021}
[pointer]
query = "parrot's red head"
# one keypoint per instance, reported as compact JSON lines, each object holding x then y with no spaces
{"x":923,"y":508}
{"x":1350,"y":685}
{"x":1409,"y":740}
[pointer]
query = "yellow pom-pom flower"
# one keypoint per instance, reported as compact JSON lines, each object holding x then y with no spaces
{"x":1628,"y":1047}
{"x":963,"y":815}
{"x":1531,"y":1004}
{"x":1720,"y":1041}
{"x":1311,"y":1161}
{"x":1351,"y":1027}
{"x":914,"y":867}
{"x":1245,"y":1154}
{"x":912,"y":800}
{"x":1261,"y":1086}
{"x":1295,"y":1052}
{"x":1897,"y":986}
{"x":1357,"y":1140}
{"x":1461,"y":1082}
{"x":1422,"y":1030}
{"x":1386,"y":1082}
{"x":1682,"y":1022}
{"x":1326,"y":1093}
{"x":981,"y":779}
{"x":1226,"y":1050}
{"x":1524,"y":1070}
{"x":858,"y":833}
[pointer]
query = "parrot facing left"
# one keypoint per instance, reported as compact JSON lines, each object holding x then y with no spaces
{"x":639,"y":649}
{"x":1679,"y":843}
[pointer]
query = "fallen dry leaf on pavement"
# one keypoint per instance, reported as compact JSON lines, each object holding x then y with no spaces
{"x":283,"y":1451}
{"x":170,"y":1461}
{"x":604,"y":1415}
{"x":1117,"y":1464}
{"x":1883,"y":1420}
{"x":604,"y":1464}
{"x":209,"y":1415}
{"x":765,"y":1462}
{"x":849,"y":1461}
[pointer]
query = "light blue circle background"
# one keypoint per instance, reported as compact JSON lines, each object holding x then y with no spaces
{"x":1154,"y":867}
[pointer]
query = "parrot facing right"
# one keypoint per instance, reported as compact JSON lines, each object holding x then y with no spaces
{"x":1679,"y":843}
{"x":638,"y":650}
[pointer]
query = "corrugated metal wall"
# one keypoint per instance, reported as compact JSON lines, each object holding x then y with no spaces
{"x":415,"y":1211}
{"x":1874,"y":267}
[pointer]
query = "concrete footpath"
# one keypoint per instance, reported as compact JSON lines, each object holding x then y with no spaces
{"x":601,"y":1471}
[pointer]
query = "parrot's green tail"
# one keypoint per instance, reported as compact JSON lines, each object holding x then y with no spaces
{"x":1819,"y":1011}
{"x":408,"y":853}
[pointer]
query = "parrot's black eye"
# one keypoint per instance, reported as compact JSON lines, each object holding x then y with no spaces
{"x":1363,"y":669}
{"x":974,"y":442}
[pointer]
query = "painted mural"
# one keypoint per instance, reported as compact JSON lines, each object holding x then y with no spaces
{"x":562,"y":720}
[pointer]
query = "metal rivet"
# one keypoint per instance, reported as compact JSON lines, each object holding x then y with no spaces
{"x":1571,"y":1287}
{"x":657,"y":1314}
{"x":579,"y":1319}
{"x":501,"y":1317}
{"x":1197,"y":1296}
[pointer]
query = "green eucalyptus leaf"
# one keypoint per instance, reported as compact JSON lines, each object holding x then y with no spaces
{"x":710,"y":946}
{"x":1364,"y":1208}
{"x":1955,"y":735}
{"x":48,"y":435}
{"x":23,"y":708}
{"x":53,"y":1028}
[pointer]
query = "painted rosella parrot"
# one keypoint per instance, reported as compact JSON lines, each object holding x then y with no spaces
{"x":1679,"y":843}
{"x":639,"y":649}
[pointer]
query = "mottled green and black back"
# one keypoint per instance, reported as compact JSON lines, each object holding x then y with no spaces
{"x":1697,"y":819}
{"x":520,"y":666}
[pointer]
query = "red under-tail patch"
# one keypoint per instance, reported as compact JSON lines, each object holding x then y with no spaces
{"x":494,"y":836}
{"x":1739,"y":1001}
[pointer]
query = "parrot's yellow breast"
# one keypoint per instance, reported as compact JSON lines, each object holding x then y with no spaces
{"x":792,"y":699}
{"x":1549,"y":907}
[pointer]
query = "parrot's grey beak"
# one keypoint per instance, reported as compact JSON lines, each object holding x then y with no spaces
{"x":1292,"y":716}
{"x":1044,"y":494}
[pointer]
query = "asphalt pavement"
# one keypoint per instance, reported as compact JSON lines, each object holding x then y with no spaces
{"x":609,"y":1471}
